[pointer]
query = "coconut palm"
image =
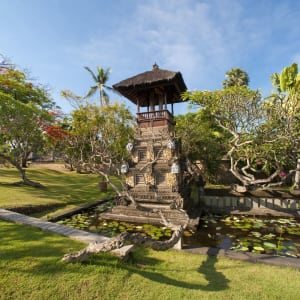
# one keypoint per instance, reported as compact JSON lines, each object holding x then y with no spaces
{"x":100,"y":80}
{"x":236,"y":77}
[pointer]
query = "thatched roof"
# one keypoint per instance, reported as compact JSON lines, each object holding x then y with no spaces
{"x":137,"y":88}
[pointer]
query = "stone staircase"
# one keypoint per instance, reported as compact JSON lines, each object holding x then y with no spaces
{"x":146,"y":215}
{"x":163,"y":200}
{"x":163,"y":196}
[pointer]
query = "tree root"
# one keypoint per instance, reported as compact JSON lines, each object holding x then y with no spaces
{"x":121,"y":240}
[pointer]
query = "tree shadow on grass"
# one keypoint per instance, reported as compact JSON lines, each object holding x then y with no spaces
{"x":41,"y":250}
{"x":216,"y":280}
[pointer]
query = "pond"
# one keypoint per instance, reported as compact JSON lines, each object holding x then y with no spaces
{"x":278,"y":236}
{"x":92,"y":222}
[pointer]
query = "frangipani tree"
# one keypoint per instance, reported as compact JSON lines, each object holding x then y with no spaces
{"x":265,"y":132}
{"x":24,"y":110}
{"x":21,"y":132}
{"x":283,"y":109}
{"x":97,"y":139}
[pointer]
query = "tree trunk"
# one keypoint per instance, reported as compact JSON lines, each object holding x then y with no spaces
{"x":25,"y":179}
{"x":121,"y":240}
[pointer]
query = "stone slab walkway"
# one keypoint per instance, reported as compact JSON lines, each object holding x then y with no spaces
{"x":72,"y":233}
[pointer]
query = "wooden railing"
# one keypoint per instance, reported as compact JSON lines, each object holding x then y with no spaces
{"x":155,"y":115}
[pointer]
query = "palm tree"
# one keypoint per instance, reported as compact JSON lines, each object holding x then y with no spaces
{"x":236,"y":77}
{"x":100,"y":79}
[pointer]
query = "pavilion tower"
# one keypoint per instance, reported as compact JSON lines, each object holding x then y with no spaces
{"x":154,"y":170}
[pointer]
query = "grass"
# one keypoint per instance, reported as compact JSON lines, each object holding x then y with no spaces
{"x":30,"y":266}
{"x":63,"y":188}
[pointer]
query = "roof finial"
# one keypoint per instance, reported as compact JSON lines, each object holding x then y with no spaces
{"x":155,"y":66}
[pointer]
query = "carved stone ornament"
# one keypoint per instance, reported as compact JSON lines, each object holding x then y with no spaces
{"x":175,"y":169}
{"x":124,"y":168}
{"x":129,"y":147}
{"x":167,"y":154}
{"x":130,"y":180}
{"x":171,"y":145}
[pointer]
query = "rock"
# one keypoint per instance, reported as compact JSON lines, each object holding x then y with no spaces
{"x":239,"y":188}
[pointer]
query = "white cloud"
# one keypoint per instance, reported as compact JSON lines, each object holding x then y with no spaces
{"x":202,"y":39}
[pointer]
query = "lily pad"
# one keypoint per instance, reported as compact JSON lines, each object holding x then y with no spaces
{"x":256,"y":234}
{"x":269,"y":236}
{"x":240,"y":248}
{"x":270,"y":245}
{"x":258,"y":248}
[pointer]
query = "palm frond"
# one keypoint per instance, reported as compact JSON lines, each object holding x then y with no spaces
{"x":92,"y":73}
{"x":92,"y":91}
{"x":105,"y":97}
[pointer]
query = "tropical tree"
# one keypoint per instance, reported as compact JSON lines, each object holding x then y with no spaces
{"x":97,"y":138}
{"x":23,"y":112}
{"x":20,"y":132}
{"x":264,"y":132}
{"x":16,"y":83}
{"x":283,"y":109}
{"x":202,"y":140}
{"x":235,"y":77}
{"x":100,"y":80}
{"x":5,"y":62}
{"x":237,"y":110}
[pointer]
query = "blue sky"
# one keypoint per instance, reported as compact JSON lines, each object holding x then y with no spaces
{"x":202,"y":39}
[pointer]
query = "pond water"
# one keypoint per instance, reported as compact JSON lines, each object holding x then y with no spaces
{"x":278,"y":236}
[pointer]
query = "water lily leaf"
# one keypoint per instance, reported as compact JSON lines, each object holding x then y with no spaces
{"x":283,"y":221}
{"x":240,"y":248}
{"x":256,"y":233}
{"x":269,"y":236}
{"x":270,"y":245}
{"x":258,"y":248}
{"x":244,"y":249}
{"x":227,"y":220}
{"x":258,"y":225}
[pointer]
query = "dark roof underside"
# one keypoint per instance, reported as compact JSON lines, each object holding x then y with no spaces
{"x":138,"y":88}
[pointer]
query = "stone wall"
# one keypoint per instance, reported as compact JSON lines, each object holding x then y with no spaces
{"x":251,"y":204}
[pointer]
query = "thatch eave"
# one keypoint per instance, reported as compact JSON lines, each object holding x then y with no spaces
{"x":137,"y":88}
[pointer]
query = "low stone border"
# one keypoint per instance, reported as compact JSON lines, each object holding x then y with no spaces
{"x":252,"y":205}
{"x":72,"y":211}
{"x":279,"y":261}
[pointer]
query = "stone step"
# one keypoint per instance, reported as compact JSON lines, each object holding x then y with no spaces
{"x":155,"y":200}
{"x":131,"y":214}
{"x":132,"y":219}
{"x":152,"y":195}
{"x":141,"y":219}
{"x":147,"y":212}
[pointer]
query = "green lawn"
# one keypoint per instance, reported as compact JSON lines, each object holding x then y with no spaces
{"x":30,"y":266}
{"x":64,"y":188}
